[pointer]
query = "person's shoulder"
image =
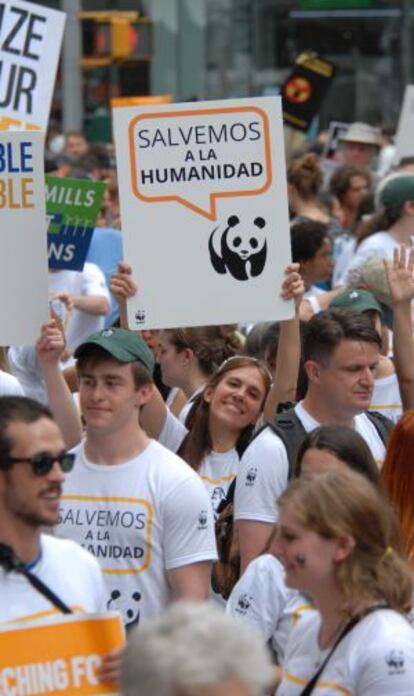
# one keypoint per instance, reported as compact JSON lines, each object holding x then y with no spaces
{"x":265,"y":440}
{"x":64,"y":551}
{"x":10,"y":385}
{"x":168,"y":464}
{"x":386,"y":624}
{"x":375,"y":241}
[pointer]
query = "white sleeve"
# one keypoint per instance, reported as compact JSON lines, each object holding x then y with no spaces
{"x":365,"y":251}
{"x":189,"y":525}
{"x":93,"y":281}
{"x":259,"y":597}
{"x":387,"y":666}
{"x":263,"y":476}
{"x":172,"y":433}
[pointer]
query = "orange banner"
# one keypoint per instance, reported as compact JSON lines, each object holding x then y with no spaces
{"x":141,"y":101}
{"x":58,"y":657}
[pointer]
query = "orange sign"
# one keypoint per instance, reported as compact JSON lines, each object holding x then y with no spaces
{"x":58,"y":657}
{"x":141,"y":101}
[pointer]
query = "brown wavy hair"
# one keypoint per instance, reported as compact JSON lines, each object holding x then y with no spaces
{"x":398,"y":477}
{"x":337,"y":503}
{"x":304,"y":173}
{"x":211,"y":345}
{"x":198,"y":443}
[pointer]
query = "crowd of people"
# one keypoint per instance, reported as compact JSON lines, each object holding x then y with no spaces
{"x":242,"y":495}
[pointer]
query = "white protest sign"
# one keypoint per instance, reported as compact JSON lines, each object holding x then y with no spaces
{"x":404,"y":141}
{"x":30,"y":40}
{"x":204,"y":211}
{"x":23,"y":239}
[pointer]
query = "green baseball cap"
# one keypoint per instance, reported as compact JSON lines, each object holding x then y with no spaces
{"x":123,"y":345}
{"x":397,"y":191}
{"x":357,"y":300}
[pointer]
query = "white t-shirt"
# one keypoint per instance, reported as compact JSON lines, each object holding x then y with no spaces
{"x":386,"y":397}
{"x":264,"y":468}
{"x":217,"y":470}
{"x":9,"y":385}
{"x":376,"y":658}
{"x":90,"y":281}
{"x":139,"y":519}
{"x":71,"y":573}
{"x":261,"y":599}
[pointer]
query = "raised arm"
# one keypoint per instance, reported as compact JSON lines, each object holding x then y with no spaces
{"x":400,"y":275}
{"x":50,"y":346}
{"x":288,"y":352}
{"x":153,"y":414}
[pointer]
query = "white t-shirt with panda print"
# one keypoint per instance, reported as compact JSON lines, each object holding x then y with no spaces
{"x":139,"y":519}
{"x":262,"y":599}
{"x":376,"y":658}
{"x":217,"y":470}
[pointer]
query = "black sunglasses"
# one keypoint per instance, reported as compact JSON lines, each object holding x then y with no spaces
{"x":42,"y":464}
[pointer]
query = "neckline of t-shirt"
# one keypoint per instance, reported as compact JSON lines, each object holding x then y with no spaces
{"x":107,"y":468}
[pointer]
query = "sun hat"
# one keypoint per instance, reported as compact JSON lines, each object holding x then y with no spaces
{"x":361,"y":133}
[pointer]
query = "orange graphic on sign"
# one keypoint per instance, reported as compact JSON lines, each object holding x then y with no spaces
{"x":210,"y":210}
{"x":298,"y":90}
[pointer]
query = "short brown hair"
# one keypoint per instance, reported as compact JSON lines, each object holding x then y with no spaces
{"x":325,"y":331}
{"x":95,"y":355}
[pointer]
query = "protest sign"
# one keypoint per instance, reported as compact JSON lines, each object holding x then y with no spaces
{"x":204,"y":211}
{"x":404,"y":142}
{"x":60,"y":656}
{"x":137,"y":101}
{"x":30,"y":40}
{"x":23,"y":248}
{"x":336,"y":130}
{"x":72,"y":207}
{"x":305,"y":88}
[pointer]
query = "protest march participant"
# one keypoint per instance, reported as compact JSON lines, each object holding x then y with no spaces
{"x":341,"y":354}
{"x":305,"y":180}
{"x":386,"y":397}
{"x":360,"y":145}
{"x":396,"y":222}
{"x":86,"y":298}
{"x":397,"y":475}
{"x":33,"y":464}
{"x":9,"y":385}
{"x":195,"y":649}
{"x":335,"y":540}
{"x":136,"y":506}
{"x":77,"y":146}
{"x":349,"y":184}
{"x":221,"y":420}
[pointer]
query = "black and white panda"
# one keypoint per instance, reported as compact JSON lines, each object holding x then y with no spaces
{"x":239,"y":249}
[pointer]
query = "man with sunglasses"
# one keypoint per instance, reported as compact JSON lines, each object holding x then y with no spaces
{"x":33,"y":464}
{"x":142,"y":512}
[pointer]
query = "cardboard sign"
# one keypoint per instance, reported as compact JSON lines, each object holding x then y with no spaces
{"x":23,"y":249}
{"x":58,"y":657}
{"x":305,"y":88}
{"x":72,"y":207}
{"x":30,"y":41}
{"x":404,"y":142}
{"x":138,"y":101}
{"x":204,"y":211}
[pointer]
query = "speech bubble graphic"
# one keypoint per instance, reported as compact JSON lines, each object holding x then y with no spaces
{"x":195,"y":156}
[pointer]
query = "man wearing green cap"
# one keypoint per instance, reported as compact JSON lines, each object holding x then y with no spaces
{"x":141,"y":511}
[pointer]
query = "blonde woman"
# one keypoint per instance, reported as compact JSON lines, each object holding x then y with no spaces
{"x":337,"y":543}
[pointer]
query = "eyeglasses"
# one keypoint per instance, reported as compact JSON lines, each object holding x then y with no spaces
{"x":42,"y":463}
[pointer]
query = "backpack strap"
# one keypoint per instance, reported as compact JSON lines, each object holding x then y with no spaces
{"x":382,"y":424}
{"x":289,"y":428}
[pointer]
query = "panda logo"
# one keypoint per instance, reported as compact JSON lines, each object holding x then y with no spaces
{"x":128,"y":608}
{"x":251,"y":476}
{"x":243,"y":603}
{"x":241,"y":249}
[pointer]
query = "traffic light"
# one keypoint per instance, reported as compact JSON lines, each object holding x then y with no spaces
{"x":115,"y":36}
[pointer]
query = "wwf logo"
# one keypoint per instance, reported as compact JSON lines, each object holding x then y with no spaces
{"x":140,"y":316}
{"x":202,"y":520}
{"x":243,"y":603}
{"x":395,"y":660}
{"x":251,"y":476}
